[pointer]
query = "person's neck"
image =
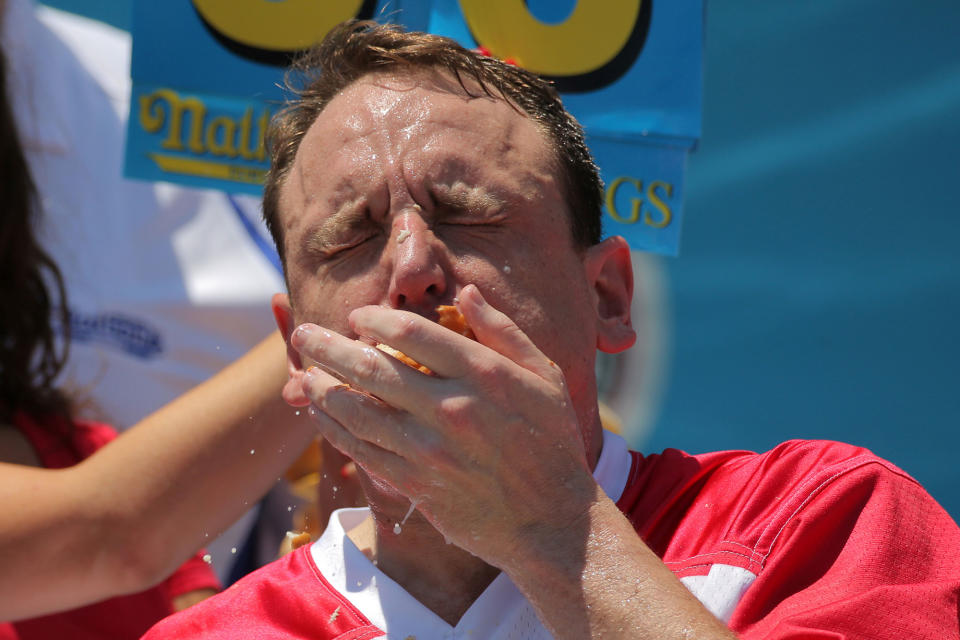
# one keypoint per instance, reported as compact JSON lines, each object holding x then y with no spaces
{"x":443,"y":577}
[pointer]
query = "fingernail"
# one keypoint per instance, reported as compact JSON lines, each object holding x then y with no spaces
{"x":302,"y":332}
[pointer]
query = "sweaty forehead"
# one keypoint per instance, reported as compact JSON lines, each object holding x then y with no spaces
{"x":407,"y":102}
{"x":413,"y":127}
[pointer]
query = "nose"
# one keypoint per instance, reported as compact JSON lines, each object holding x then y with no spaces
{"x":418,"y":279}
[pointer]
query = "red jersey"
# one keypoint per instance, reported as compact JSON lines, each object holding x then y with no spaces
{"x":59,"y":445}
{"x":811,"y":539}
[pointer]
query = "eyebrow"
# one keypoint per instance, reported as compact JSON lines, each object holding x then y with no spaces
{"x":351,"y":215}
{"x":461,"y":196}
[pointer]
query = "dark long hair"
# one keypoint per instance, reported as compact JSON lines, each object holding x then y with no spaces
{"x":30,"y":354}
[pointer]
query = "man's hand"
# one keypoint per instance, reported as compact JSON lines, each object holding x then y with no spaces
{"x":489,"y":449}
{"x":492,"y":453}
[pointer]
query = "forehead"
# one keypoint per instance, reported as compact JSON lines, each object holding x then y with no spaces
{"x":417,"y":127}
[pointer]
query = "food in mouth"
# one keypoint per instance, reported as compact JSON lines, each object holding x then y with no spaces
{"x":449,"y":317}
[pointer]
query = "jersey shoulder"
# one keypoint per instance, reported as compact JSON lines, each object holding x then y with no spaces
{"x":287,"y":599}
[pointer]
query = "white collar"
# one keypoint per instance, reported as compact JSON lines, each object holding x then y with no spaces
{"x":387,"y":605}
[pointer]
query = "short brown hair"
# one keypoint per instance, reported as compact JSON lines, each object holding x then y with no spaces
{"x":357,"y":48}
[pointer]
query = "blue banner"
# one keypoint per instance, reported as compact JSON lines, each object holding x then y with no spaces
{"x":207,"y":77}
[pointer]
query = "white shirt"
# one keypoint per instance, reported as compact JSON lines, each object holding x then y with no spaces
{"x":500,"y":613}
{"x":165,"y":282}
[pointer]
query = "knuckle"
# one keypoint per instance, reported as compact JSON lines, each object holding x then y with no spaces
{"x":368,"y":365}
{"x":457,"y":412}
{"x":407,"y":330}
{"x":503,"y":324}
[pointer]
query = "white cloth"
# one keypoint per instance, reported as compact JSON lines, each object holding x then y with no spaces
{"x":165,"y":284}
{"x":500,"y":613}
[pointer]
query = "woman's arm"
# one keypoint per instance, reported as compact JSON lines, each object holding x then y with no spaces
{"x":126,"y":517}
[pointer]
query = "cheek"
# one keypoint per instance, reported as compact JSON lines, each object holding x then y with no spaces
{"x":552,"y":304}
{"x":327,"y":301}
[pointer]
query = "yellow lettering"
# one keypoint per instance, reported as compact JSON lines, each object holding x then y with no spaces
{"x":666,"y":215}
{"x":593,"y":34}
{"x":290,"y":25}
{"x":259,"y":152}
{"x":220,"y":136}
{"x":153,"y":115}
{"x":635,"y":202}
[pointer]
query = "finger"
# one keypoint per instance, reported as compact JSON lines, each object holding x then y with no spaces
{"x":362,"y":415}
{"x":377,"y":462}
{"x":419,"y":338}
{"x":365,"y":368}
{"x":468,"y":368}
{"x":497,"y":331}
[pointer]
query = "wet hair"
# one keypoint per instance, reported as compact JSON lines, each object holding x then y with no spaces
{"x":358,"y":48}
{"x":30,"y":354}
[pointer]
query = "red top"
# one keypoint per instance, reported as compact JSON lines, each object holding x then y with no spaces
{"x":809,"y":540}
{"x":58,"y":445}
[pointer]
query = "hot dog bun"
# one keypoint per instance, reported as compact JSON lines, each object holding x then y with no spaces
{"x":404,"y":358}
{"x":451,"y":318}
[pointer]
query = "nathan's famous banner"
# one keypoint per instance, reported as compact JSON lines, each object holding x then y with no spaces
{"x":207,"y":76}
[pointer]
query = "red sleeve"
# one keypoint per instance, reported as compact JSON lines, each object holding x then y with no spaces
{"x":194,"y":574}
{"x":869,"y":554}
{"x":288,"y":599}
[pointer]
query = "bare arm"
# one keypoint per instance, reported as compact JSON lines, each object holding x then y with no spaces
{"x":491,"y":451}
{"x":601,"y":581}
{"x":126,"y":517}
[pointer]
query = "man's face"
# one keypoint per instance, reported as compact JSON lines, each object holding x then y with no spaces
{"x":405,"y":190}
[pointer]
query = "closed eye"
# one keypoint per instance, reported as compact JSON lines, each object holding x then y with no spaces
{"x":341,"y":235}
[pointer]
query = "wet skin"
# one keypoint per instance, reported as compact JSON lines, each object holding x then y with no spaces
{"x":405,"y":194}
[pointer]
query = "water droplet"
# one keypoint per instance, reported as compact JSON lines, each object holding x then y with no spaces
{"x":233,"y":549}
{"x":207,"y":558}
{"x":297,"y":412}
{"x":289,"y":508}
{"x":506,"y":269}
{"x":252,"y":451}
{"x":396,"y":528}
{"x":413,"y":505}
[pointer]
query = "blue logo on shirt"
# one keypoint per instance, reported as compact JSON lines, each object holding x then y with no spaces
{"x":131,"y":335}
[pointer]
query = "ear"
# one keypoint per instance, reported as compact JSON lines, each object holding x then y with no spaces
{"x":283,"y":314}
{"x":610,"y":272}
